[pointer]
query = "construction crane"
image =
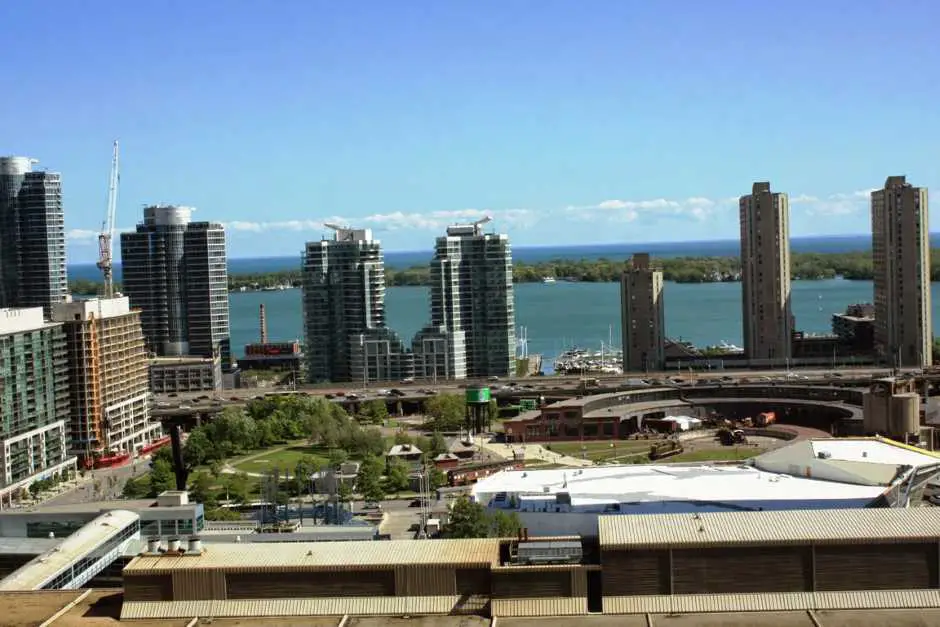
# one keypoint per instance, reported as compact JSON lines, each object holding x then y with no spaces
{"x":106,"y":237}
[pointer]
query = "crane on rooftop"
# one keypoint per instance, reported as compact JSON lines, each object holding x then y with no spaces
{"x":106,"y":237}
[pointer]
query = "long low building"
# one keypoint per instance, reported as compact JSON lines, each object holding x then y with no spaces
{"x":634,"y":565}
{"x":811,"y":474}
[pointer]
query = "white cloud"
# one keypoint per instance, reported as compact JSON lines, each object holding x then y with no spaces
{"x":395,"y":221}
{"x":616,"y":210}
{"x":78,"y":236}
{"x":697,"y":208}
{"x":841,"y":204}
{"x":83,"y":237}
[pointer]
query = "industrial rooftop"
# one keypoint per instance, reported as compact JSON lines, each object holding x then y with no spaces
{"x":666,"y":483}
{"x":809,"y":474}
{"x":325,"y":555}
{"x":874,"y":525}
{"x":78,"y":545}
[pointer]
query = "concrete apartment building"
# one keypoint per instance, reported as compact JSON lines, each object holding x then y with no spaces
{"x":765,"y":272}
{"x":472,"y":332}
{"x":32,"y":236}
{"x":643,"y":316}
{"x":174,"y":271}
{"x":346,"y":339}
{"x":34,"y":401}
{"x":108,"y":367}
{"x":901,"y":263}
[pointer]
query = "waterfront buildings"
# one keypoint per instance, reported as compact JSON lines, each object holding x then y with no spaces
{"x":856,"y":326}
{"x":109,"y":389}
{"x":901,"y":264}
{"x":174,"y":271}
{"x":344,"y":312}
{"x":472,"y":332}
{"x":34,"y":400}
{"x":32,"y":236}
{"x":765,"y":274}
{"x":642,"y":314}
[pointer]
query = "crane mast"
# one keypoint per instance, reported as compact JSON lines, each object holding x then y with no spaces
{"x":106,"y":237}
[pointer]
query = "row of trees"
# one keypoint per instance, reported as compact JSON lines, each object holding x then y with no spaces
{"x":853,"y":265}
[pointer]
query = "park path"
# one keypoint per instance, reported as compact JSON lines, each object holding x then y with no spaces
{"x":229,"y":469}
{"x":533,"y":452}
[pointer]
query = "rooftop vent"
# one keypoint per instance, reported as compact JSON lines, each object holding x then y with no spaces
{"x":153,"y":545}
{"x":195,"y":545}
{"x":824,"y":455}
{"x":173,"y":545}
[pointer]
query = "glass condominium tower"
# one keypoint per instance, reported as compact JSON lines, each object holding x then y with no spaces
{"x":32,"y":236}
{"x":175,"y":271}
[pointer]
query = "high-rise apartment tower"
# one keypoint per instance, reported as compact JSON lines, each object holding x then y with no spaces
{"x":34,"y":400}
{"x":344,"y":312}
{"x":901,"y":264}
{"x":642,"y":314}
{"x":32,"y":236}
{"x":765,"y":274}
{"x":109,"y":387}
{"x":174,"y":271}
{"x":472,"y":331}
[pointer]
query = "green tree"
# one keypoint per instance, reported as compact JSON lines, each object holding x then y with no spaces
{"x":438,"y":444}
{"x":161,"y":477}
{"x":397,"y":479}
{"x":438,"y":478}
{"x":337,"y":458}
{"x":402,"y":437}
{"x":369,"y":479}
{"x":446,"y":412}
{"x":343,"y":492}
{"x":200,"y":489}
{"x":503,"y":524}
{"x":467,"y":519}
{"x":373,"y":412}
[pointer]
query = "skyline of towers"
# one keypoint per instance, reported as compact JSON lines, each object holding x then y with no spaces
{"x":901,"y":273}
{"x":767,"y":318}
{"x":643,"y":315}
{"x":176,"y":271}
{"x":472,"y":329}
{"x":32,"y":236}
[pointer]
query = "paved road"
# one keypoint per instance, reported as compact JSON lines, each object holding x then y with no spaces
{"x":101,"y":485}
{"x":536,"y":383}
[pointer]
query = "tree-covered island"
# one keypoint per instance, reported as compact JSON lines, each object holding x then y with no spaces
{"x":804,"y":266}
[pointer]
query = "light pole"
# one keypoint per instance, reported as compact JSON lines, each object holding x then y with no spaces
{"x":365,"y":362}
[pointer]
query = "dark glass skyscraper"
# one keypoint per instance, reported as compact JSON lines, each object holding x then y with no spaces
{"x":32,"y":236}
{"x":175,"y":271}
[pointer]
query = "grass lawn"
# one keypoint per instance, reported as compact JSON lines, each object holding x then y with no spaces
{"x":600,"y":450}
{"x":285,"y":459}
{"x":726,"y":453}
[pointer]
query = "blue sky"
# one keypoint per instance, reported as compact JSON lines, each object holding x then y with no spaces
{"x":568,"y":122}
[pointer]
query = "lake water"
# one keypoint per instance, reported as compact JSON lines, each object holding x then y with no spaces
{"x":562,"y":314}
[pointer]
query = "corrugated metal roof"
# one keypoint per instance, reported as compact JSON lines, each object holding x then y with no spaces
{"x":554,"y":606}
{"x":773,"y":602}
{"x":336,"y":555}
{"x":249,"y":608}
{"x":39,"y":570}
{"x":776,"y":527}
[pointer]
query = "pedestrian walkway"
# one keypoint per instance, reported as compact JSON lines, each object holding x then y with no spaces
{"x":531,"y":452}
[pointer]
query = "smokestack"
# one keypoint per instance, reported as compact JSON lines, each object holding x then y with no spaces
{"x":264,"y":324}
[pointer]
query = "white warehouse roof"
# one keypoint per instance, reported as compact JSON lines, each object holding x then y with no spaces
{"x":861,"y":461}
{"x":712,"y":487}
